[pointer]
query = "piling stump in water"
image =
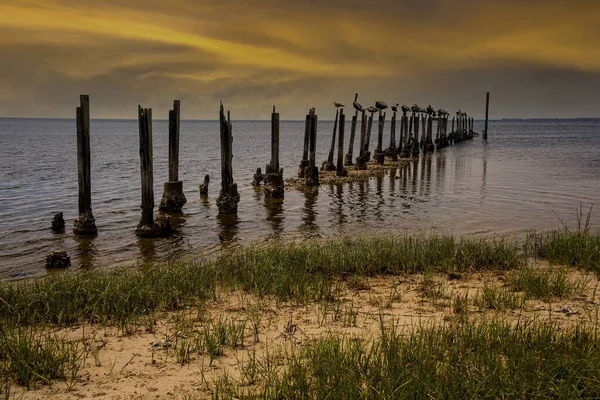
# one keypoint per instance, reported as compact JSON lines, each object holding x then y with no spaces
{"x":229,"y":197}
{"x":258,"y":178}
{"x":173,"y":198}
{"x":57,"y":259}
{"x":367,"y":153}
{"x":149,"y":226}
{"x":304,"y":161}
{"x":58,"y":223}
{"x":487,"y":108}
{"x":274,"y":185}
{"x":392,"y":150}
{"x":84,"y":224}
{"x":311,"y":174}
{"x":415,"y":144}
{"x":203,"y":188}
{"x":361,"y":160}
{"x":405,"y":134}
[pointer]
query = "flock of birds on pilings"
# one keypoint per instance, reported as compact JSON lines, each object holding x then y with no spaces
{"x":416,"y":136}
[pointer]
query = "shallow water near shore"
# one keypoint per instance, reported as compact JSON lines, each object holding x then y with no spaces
{"x":516,"y":181}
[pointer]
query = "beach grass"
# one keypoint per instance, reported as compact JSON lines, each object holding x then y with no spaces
{"x":485,"y":359}
{"x":289,"y":272}
{"x":574,"y":249}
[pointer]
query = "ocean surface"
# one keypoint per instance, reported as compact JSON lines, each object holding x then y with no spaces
{"x":527,"y":171}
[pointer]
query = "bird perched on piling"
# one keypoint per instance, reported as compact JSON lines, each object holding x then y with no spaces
{"x":373,"y":109}
{"x":415,"y":108}
{"x":337,"y":105}
{"x":395,"y":107}
{"x":459,"y":113}
{"x":430,"y":110}
{"x":405,"y":108}
{"x":380,"y":105}
{"x":356,"y":104}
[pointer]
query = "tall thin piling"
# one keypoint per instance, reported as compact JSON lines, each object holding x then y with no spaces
{"x":392,"y":150}
{"x":366,"y":152}
{"x":379,"y":154}
{"x":487,"y":108}
{"x":329,"y":165}
{"x":361,"y":160}
{"x":228,"y":197}
{"x":274,"y":186}
{"x":340,"y":170}
{"x":348,"y":160}
{"x":312,"y":173}
{"x":415,"y":144}
{"x":304,"y":161}
{"x":84,"y":224}
{"x":173,"y":198}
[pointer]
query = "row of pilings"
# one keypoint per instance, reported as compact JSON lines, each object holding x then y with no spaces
{"x":416,"y":136}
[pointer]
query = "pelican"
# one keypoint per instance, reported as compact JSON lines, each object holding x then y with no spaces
{"x":395,"y":107}
{"x":415,"y":108}
{"x":459,"y":113}
{"x":430,"y":110}
{"x":338,"y":105}
{"x":381,"y":105}
{"x":373,"y":109}
{"x":405,"y":108}
{"x":356,"y":105}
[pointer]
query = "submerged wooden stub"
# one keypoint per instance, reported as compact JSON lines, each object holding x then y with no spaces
{"x":304,"y":161}
{"x":329,"y":165}
{"x":361,"y":160}
{"x":311,"y":174}
{"x":84,"y":224}
{"x":348,"y":158}
{"x":274,"y":185}
{"x":203,"y":187}
{"x":379,"y":155}
{"x":161,"y":225}
{"x":487,"y":108}
{"x":340,"y":170}
{"x":173,"y":198}
{"x":229,"y":197}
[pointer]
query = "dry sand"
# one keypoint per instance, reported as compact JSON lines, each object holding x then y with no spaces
{"x":127,"y":366}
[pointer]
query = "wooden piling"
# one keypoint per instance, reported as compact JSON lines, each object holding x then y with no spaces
{"x":348,"y":160}
{"x":379,"y":156}
{"x":304,"y":161}
{"x":415,"y":144}
{"x":407,"y":135}
{"x":487,"y":108}
{"x":173,"y":198}
{"x":228,"y":197}
{"x":329,"y":165}
{"x":340,"y":170}
{"x":146,"y":167}
{"x":361,"y":160}
{"x":85,"y":223}
{"x":312,"y":174}
{"x":392,"y":151}
{"x":366,"y":152}
{"x":274,"y":186}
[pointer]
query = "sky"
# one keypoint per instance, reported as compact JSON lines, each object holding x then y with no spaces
{"x":537,"y":58}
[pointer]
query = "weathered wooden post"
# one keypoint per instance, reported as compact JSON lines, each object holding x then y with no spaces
{"x":379,"y":155}
{"x":429,"y":146}
{"x":173,"y":198}
{"x":274,"y":186}
{"x":329,"y":165}
{"x":161,"y":225}
{"x":361,"y":161}
{"x":367,"y":153}
{"x":392,"y":150}
{"x":405,"y":134}
{"x":415,"y":145}
{"x":452,"y":135}
{"x":423,"y":128}
{"x":340,"y":170}
{"x":84,"y":224}
{"x":229,"y":197}
{"x":348,"y":159}
{"x":312,"y":173}
{"x":487,"y":108}
{"x":304,"y":161}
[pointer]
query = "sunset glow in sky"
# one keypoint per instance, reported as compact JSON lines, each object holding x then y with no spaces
{"x":537,"y":58}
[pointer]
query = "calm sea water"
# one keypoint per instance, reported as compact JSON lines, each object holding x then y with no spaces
{"x":504,"y":186}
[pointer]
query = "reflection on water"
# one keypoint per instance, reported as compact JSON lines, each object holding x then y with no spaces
{"x":275,"y":215}
{"x":85,"y":251}
{"x":503,"y":185}
{"x":228,"y":226}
